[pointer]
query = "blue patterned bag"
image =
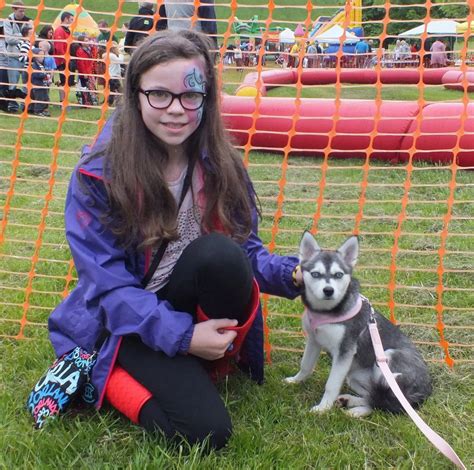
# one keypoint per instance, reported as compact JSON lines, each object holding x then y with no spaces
{"x":63,"y":383}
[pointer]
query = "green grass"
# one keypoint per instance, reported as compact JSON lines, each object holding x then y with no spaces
{"x":273,"y":428}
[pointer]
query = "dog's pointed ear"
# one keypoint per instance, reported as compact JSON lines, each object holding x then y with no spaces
{"x":308,"y":246}
{"x":349,"y":250}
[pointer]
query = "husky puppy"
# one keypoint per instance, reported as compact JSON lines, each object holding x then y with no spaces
{"x":336,"y":320}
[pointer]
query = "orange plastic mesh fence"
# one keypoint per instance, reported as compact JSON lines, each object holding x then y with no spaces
{"x":376,"y":142}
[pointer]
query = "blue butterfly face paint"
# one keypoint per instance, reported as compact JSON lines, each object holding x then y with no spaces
{"x":195,"y":81}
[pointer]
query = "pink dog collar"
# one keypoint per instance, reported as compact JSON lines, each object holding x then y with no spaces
{"x":317,"y":319}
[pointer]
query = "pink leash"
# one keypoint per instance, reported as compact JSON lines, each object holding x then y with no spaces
{"x":431,"y":435}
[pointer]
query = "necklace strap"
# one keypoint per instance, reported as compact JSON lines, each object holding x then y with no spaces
{"x":165,"y":242}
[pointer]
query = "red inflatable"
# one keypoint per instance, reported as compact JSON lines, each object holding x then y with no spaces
{"x":459,"y":80}
{"x":254,"y":82}
{"x":434,"y":132}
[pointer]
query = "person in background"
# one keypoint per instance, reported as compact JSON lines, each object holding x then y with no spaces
{"x":25,"y":47}
{"x":238,"y":56}
{"x":46,"y":34}
{"x":362,"y":51}
{"x":229,"y":58}
{"x":311,"y":54}
{"x":294,"y":59}
{"x":3,"y":70}
{"x":397,"y":50}
{"x":121,"y":47}
{"x":121,"y":43}
{"x":60,"y":37}
{"x":40,"y":81}
{"x":99,"y":65}
{"x":415,"y":53}
{"x":104,"y":35}
{"x":141,"y":25}
{"x":85,"y":67}
{"x":405,"y":53}
{"x":114,"y":60}
{"x":49,"y":62}
{"x":180,"y":15}
{"x":439,"y":58}
{"x":12,"y":29}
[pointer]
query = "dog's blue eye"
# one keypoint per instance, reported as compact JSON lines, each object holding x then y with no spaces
{"x":338,"y":275}
{"x":316,"y":275}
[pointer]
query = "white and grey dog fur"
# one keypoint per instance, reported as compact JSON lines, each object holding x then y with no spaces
{"x":330,"y":290}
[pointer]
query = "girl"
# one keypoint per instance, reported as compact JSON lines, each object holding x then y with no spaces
{"x":162,"y":225}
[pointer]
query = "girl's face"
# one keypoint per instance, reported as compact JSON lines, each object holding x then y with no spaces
{"x":50,"y":34}
{"x":174,"y":124}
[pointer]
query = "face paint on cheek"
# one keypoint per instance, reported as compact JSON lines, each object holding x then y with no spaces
{"x":199,"y":115}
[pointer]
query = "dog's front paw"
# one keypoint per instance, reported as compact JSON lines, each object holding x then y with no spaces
{"x":343,"y":401}
{"x":291,"y":380}
{"x":321,"y":408}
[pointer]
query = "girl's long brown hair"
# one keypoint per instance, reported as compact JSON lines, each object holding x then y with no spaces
{"x":142,"y":208}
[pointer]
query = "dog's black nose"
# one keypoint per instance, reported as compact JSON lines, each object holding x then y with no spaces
{"x":328,"y":291}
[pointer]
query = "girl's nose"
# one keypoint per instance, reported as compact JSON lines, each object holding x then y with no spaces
{"x":175,"y":106}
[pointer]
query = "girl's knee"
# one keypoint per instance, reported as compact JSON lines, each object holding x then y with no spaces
{"x":223,"y":255}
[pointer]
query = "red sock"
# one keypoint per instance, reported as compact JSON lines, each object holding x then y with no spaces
{"x":125,"y":394}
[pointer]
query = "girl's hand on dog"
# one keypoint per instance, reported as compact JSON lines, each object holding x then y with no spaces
{"x":211,"y":340}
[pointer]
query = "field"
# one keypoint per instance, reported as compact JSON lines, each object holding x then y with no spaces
{"x":416,"y":229}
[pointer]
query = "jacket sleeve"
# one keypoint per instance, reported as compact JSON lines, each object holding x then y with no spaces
{"x":272,"y":272}
{"x":110,"y":286}
{"x":82,"y":62}
{"x":12,"y":35}
{"x":60,"y":42}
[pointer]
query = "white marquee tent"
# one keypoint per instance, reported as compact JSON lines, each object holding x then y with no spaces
{"x":334,"y":34}
{"x":446,"y":27}
{"x":287,"y":36}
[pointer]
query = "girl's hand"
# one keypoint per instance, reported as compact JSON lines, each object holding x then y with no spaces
{"x":211,"y":340}
{"x":297,"y":275}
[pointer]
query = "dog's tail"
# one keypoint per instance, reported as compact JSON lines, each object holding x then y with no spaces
{"x":414,"y":382}
{"x":382,"y":398}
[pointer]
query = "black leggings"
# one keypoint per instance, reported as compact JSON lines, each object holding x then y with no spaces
{"x":213,"y":272}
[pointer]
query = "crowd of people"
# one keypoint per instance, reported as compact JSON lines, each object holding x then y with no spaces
{"x":93,"y":67}
{"x":312,"y":54}
{"x":52,"y":57}
{"x":89,"y":65}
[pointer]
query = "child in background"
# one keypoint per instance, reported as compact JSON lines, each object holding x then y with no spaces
{"x":85,"y":68}
{"x":114,"y":60}
{"x":40,"y":82}
{"x":49,"y":63}
{"x":24,"y":47}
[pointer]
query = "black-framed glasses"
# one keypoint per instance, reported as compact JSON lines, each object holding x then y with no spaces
{"x":162,"y":99}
